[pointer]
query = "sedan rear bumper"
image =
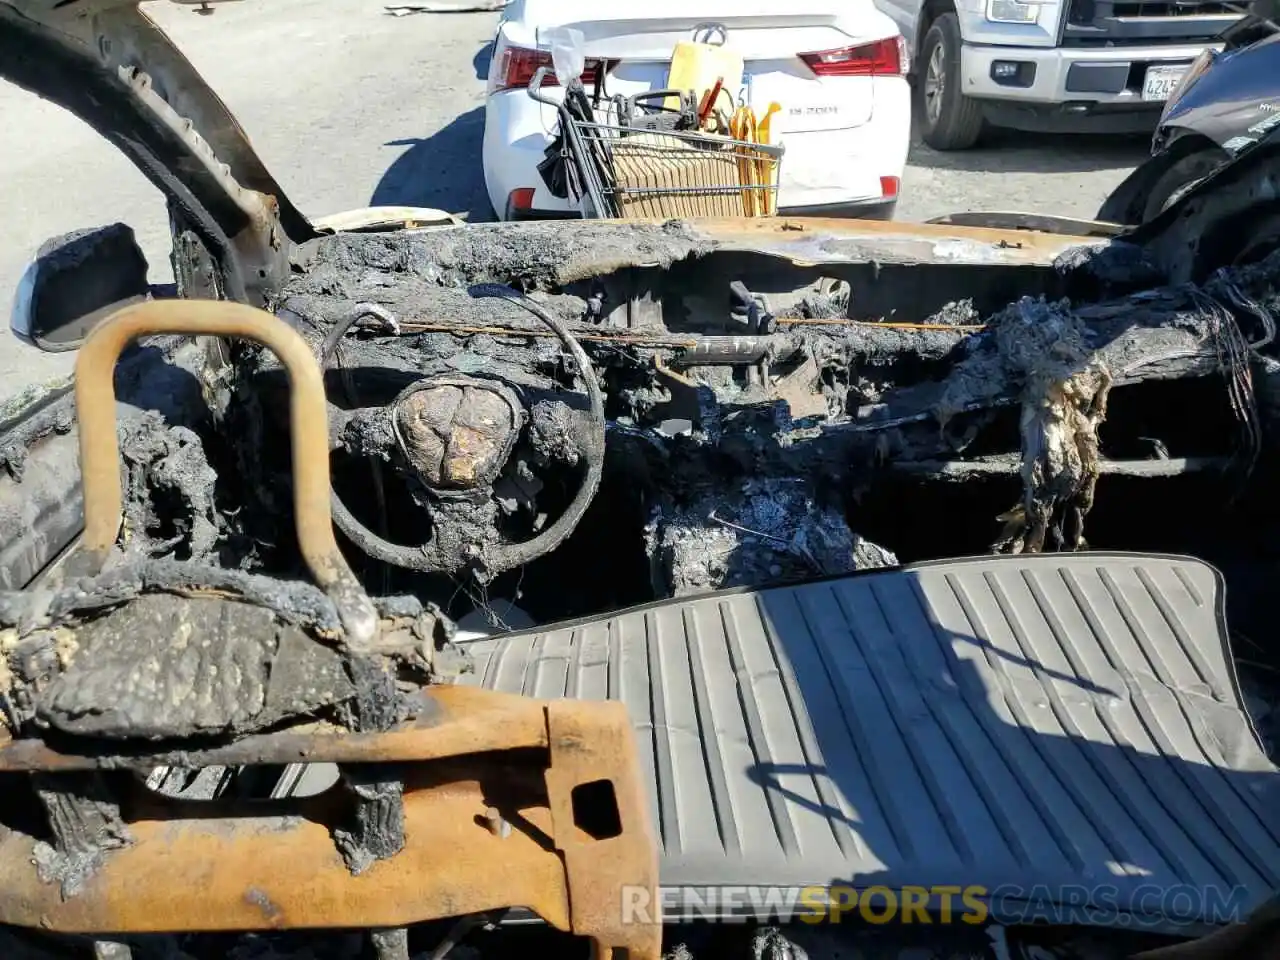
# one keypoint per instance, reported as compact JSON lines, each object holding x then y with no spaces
{"x":859,"y":210}
{"x":853,"y":210}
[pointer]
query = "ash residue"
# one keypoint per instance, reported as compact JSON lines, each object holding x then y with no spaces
{"x":1040,"y":353}
{"x":1030,"y":340}
{"x":86,"y":825}
{"x":28,"y":665}
{"x":555,"y":432}
{"x":772,"y":531}
{"x":1107,"y":269}
{"x":376,"y":829}
{"x":378,"y":701}
{"x":956,"y":314}
{"x":169,"y":491}
{"x":850,"y":345}
{"x":874,"y":345}
{"x":70,"y":872}
{"x":16,"y":408}
{"x":30,"y":416}
{"x":161,"y":649}
{"x":166,"y":667}
{"x":1249,"y":286}
{"x":1158,"y":333}
{"x":826,"y":301}
{"x":531,"y":256}
{"x":422,"y":278}
{"x":326,"y":295}
{"x":296,"y":602}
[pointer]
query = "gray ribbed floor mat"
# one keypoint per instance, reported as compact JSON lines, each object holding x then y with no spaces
{"x":1052,"y":728}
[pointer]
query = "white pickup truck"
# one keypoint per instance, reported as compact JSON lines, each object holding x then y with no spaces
{"x":1103,"y":66}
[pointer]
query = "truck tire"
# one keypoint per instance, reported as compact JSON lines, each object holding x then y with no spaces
{"x":1180,"y":178}
{"x":948,"y":119}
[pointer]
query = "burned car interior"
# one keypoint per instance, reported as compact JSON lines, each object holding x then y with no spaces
{"x":381,"y":592}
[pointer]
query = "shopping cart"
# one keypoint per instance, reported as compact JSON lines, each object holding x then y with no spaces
{"x":628,"y":158}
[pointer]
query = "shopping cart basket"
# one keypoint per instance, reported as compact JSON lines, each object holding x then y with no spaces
{"x":627,"y":170}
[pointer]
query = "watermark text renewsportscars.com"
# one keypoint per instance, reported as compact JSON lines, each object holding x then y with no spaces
{"x":1153,"y":905}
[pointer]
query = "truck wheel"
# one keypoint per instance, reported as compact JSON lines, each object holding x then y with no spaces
{"x":1180,"y":178}
{"x":948,"y":119}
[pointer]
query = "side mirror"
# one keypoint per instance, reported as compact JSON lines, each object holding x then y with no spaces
{"x":76,"y":281}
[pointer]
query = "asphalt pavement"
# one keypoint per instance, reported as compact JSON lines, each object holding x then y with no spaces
{"x":352,"y":107}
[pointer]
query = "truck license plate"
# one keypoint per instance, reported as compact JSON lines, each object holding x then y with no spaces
{"x":1160,"y":81}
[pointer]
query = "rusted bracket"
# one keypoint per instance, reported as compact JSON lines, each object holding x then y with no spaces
{"x":508,"y":803}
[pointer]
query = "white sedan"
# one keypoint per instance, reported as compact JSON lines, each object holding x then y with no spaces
{"x":837,"y":67}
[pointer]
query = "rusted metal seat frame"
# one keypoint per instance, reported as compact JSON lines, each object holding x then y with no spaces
{"x":495,"y":787}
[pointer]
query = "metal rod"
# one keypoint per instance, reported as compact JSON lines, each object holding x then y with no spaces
{"x":720,"y":350}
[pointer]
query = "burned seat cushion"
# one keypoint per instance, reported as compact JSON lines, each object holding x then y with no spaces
{"x":1064,"y":726}
{"x":166,"y":666}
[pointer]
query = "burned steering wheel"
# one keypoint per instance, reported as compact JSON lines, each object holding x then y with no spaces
{"x":454,"y":434}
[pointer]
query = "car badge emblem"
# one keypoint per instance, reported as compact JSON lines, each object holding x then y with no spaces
{"x":716,"y":34}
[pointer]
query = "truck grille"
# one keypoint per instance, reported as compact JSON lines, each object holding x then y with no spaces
{"x":1087,"y":11}
{"x":1123,"y":22}
{"x":1162,"y":8}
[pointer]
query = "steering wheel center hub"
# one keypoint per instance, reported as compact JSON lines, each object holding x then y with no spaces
{"x":457,"y":432}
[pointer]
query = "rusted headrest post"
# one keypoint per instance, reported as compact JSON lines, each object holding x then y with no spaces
{"x":100,"y":448}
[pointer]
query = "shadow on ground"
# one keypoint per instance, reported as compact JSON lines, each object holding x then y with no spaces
{"x":481,"y":61}
{"x":442,"y":170}
{"x":1009,"y":151}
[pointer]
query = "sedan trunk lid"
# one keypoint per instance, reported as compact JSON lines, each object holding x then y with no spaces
{"x":771,"y":42}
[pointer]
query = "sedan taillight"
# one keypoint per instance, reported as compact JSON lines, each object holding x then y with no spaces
{"x":883,"y":58}
{"x":517,"y":65}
